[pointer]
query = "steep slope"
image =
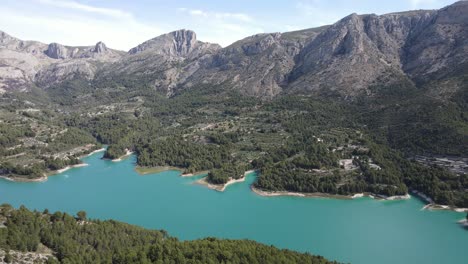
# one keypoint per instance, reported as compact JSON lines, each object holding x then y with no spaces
{"x":360,"y":51}
{"x":19,"y":62}
{"x":353,"y":53}
{"x":181,"y":43}
{"x":162,"y":62}
{"x":257,"y":65}
{"x":346,"y":59}
{"x":441,"y":48}
{"x":24,"y":64}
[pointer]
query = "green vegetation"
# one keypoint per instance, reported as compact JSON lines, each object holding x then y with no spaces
{"x":152,"y":170}
{"x":33,"y":143}
{"x":228,"y":170}
{"x":180,"y":153}
{"x":37,"y":170}
{"x":78,"y":240}
{"x":297,"y":143}
{"x":114,"y":152}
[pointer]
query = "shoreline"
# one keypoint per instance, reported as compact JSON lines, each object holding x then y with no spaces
{"x":45,"y":176}
{"x":153,"y":170}
{"x":157,"y":169}
{"x":442,"y":207}
{"x":431,"y":205}
{"x":463,"y":223}
{"x":299,"y":194}
{"x":193,"y":174}
{"x":93,"y":152}
{"x":127,"y":154}
{"x":326,"y":195}
{"x":68,"y":168}
{"x":222,"y":187}
{"x":19,"y":179}
{"x":218,"y":187}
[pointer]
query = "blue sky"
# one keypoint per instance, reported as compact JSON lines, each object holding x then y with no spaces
{"x":125,"y":24}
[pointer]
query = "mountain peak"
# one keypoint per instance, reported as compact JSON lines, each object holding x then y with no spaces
{"x":455,"y":13}
{"x":56,"y":51}
{"x":184,"y":41}
{"x":100,"y":47}
{"x":3,"y":35}
{"x":184,"y":33}
{"x":177,"y":43}
{"x":5,"y":38}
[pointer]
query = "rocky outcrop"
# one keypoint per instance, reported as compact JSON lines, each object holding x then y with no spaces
{"x":347,"y":58}
{"x":100,"y":48}
{"x":180,"y":43}
{"x":441,"y":47}
{"x":165,"y":61}
{"x":351,"y":55}
{"x":360,"y":51}
{"x":6,"y":40}
{"x":257,"y":65}
{"x":24,"y":64}
{"x":99,"y":51}
{"x":56,"y":73}
{"x":57,"y":51}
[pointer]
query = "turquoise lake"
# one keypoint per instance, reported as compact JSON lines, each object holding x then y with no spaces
{"x":357,"y":231}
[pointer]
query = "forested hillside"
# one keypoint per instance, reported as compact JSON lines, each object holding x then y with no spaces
{"x":312,"y":110}
{"x":81,"y":240}
{"x":298,"y":143}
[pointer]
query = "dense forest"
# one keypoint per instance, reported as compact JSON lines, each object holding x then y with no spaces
{"x":38,"y":169}
{"x":178,"y":152}
{"x":81,"y":240}
{"x":296,"y":143}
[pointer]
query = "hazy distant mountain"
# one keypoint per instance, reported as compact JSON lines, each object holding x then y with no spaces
{"x":27,"y":63}
{"x":347,"y":58}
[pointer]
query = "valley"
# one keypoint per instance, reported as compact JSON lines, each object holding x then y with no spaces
{"x":355,"y":118}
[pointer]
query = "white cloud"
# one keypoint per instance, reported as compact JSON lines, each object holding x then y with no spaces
{"x":222,"y":27}
{"x":419,"y":3}
{"x":218,"y":15}
{"x":237,"y":16}
{"x":227,"y":33}
{"x":318,"y":15}
{"x":76,"y":30}
{"x":86,"y":8}
{"x":196,"y":12}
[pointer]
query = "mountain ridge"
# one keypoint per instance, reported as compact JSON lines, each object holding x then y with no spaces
{"x":345,"y":58}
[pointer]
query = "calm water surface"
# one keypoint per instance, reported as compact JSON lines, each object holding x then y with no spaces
{"x":356,"y":231}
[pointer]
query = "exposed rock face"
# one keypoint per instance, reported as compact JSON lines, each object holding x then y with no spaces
{"x":350,"y":55}
{"x":357,"y":51}
{"x":180,"y":43}
{"x":100,"y":47}
{"x":27,"y":63}
{"x":6,"y":39}
{"x":441,"y":47}
{"x":14,"y":44}
{"x":165,"y":61}
{"x":346,"y":58}
{"x":57,"y":51}
{"x":59,"y":72}
{"x":257,"y":65}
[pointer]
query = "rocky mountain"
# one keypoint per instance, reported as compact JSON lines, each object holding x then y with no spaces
{"x":258,"y":65}
{"x":354,"y":53}
{"x":164,"y":61}
{"x":177,"y":44}
{"x":347,"y":58}
{"x":24,"y":64}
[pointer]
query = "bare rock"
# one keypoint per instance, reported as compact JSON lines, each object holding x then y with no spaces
{"x":57,"y":51}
